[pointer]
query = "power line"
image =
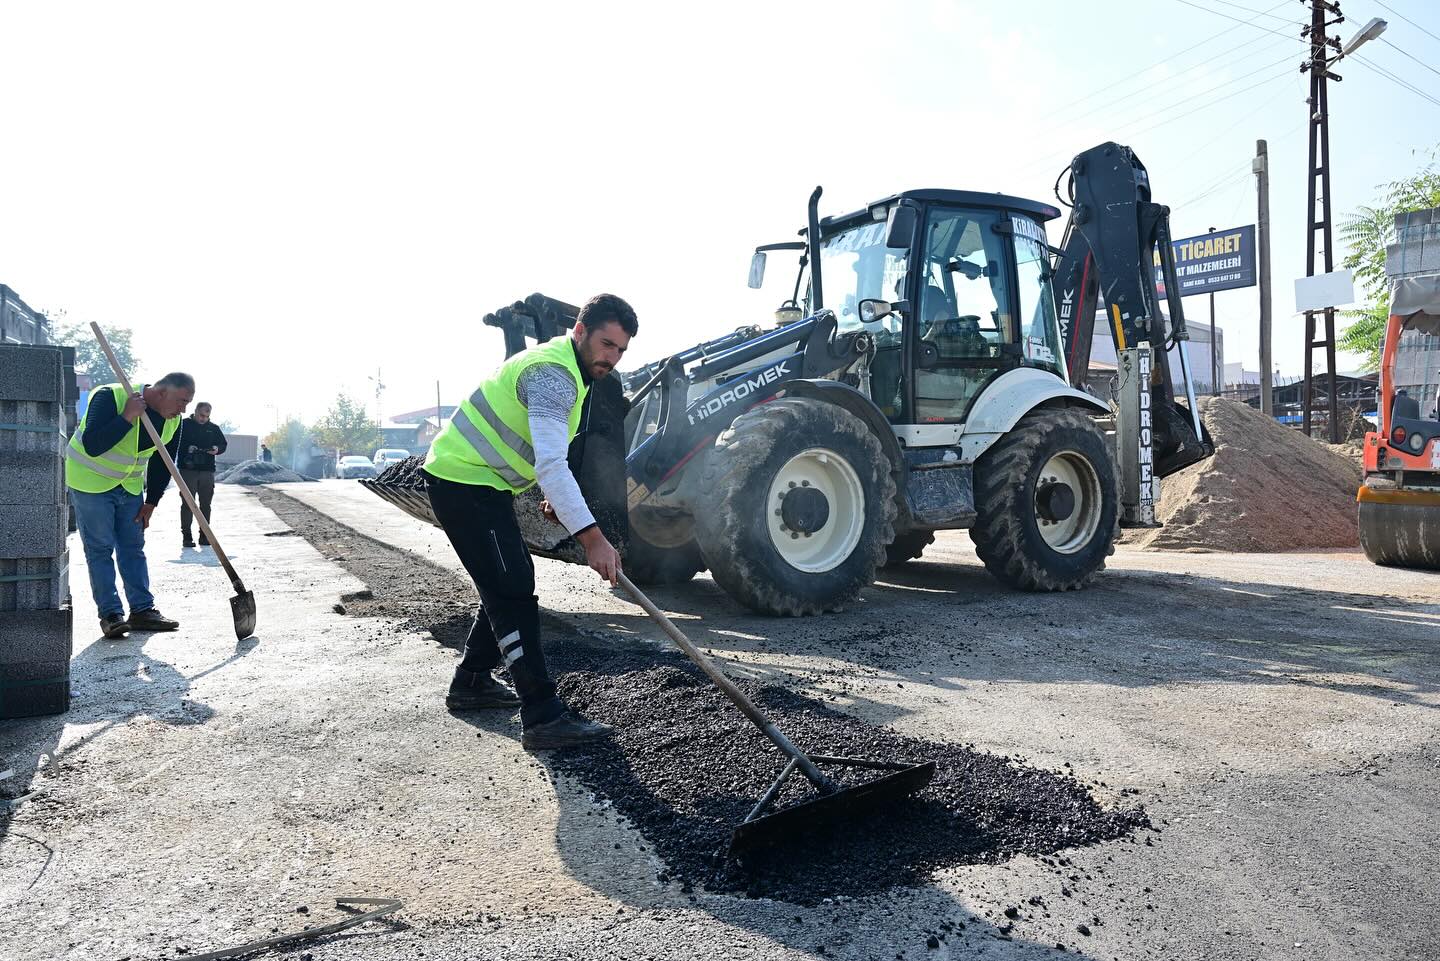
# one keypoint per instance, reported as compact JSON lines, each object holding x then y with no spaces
{"x":1164,"y":60}
{"x":1260,"y":13}
{"x":1416,"y":59}
{"x":1248,"y":23}
{"x":1269,"y":66}
{"x":1396,"y":79}
{"x":1406,"y":19}
{"x":1203,"y":106}
{"x":1155,"y":94}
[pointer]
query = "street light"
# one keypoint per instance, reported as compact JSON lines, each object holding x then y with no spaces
{"x":1371,"y":30}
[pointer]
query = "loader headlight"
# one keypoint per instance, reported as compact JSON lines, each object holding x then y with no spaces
{"x":1416,"y":442}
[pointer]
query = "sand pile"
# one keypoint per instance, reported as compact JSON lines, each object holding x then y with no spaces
{"x":255,"y":472}
{"x":1268,"y":488}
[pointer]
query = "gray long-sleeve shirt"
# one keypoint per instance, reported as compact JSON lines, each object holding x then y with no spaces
{"x":548,"y":393}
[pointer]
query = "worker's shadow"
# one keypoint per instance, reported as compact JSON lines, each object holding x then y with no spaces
{"x":112,"y":684}
{"x":198,"y":557}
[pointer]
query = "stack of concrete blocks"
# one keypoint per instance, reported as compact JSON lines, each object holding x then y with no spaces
{"x":37,"y":405}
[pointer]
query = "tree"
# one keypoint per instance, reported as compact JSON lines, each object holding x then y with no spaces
{"x":1366,"y":233}
{"x":289,"y":442}
{"x":347,"y":427}
{"x":90,"y":359}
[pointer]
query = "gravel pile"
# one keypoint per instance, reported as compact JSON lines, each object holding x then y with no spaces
{"x":1268,"y":488}
{"x":685,"y":767}
{"x":254,"y":472}
{"x":406,"y":473}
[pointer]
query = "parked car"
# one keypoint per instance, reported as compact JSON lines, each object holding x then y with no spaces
{"x":386,"y":456}
{"x":353,"y":466}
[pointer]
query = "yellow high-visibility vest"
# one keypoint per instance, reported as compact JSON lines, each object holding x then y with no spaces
{"x":122,"y":465}
{"x":487,"y":441}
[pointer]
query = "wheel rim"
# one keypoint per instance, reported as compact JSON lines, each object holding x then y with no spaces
{"x":812,"y":536}
{"x":1068,"y":480}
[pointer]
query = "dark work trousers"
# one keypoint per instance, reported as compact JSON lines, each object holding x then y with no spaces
{"x":480,"y":522}
{"x":202,"y":485}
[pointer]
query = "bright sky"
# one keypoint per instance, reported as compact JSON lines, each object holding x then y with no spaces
{"x":282,"y":198}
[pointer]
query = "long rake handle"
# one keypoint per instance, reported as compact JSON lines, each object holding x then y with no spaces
{"x":169,"y":462}
{"x":746,"y":706}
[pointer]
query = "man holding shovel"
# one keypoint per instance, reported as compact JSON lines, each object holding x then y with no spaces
{"x":514,"y":431}
{"x":108,"y":464}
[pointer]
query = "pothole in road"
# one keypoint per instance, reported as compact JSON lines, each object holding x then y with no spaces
{"x":685,"y":766}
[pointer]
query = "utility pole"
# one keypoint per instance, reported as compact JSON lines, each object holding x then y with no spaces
{"x":1214,"y":348}
{"x":1318,"y":223}
{"x":379,"y":389}
{"x":1261,"y":166}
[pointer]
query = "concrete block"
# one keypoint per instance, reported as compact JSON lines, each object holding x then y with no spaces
{"x":33,"y":531}
{"x":27,"y":636}
{"x":35,"y":583}
{"x":31,"y":373}
{"x":34,"y":688}
{"x":33,"y":478}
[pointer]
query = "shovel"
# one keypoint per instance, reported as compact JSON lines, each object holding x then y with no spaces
{"x":242,"y":605}
{"x":834,"y":803}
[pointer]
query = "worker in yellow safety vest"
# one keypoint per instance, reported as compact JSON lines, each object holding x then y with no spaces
{"x":108,"y":467}
{"x":513,"y":432}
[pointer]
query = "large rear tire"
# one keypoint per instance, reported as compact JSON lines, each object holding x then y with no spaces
{"x":800,"y":501}
{"x":1047,"y":497}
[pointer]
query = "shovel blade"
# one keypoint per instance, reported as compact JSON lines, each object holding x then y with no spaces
{"x":824,"y":812}
{"x":242,"y":605}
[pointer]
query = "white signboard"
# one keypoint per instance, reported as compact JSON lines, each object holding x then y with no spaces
{"x":1324,"y":290}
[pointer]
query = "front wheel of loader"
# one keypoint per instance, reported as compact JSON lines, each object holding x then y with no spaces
{"x":800,"y":501}
{"x":1047,"y":499}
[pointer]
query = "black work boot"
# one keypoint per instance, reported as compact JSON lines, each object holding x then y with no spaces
{"x":114,"y":626}
{"x":151,"y":620}
{"x":188,"y":541}
{"x":477,"y":691}
{"x":567,"y":730}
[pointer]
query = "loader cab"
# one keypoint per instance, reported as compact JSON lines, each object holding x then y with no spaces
{"x":962,"y":285}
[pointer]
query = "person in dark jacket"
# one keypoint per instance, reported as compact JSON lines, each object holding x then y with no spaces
{"x":200,"y":443}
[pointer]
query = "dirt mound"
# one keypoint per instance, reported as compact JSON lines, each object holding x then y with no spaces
{"x":254,"y":472}
{"x":1268,"y":488}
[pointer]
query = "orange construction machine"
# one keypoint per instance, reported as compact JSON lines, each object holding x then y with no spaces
{"x":1399,"y":499}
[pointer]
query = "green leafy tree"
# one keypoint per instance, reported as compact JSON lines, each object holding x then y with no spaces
{"x":289,"y":442}
{"x":347,"y":428}
{"x":90,"y":359}
{"x":1367,"y":232}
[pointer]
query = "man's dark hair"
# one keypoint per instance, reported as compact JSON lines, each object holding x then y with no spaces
{"x":203,"y":405}
{"x":605,"y":309}
{"x":176,"y":380}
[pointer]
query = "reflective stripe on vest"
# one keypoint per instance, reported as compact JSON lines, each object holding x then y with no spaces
{"x":492,"y":457}
{"x":123,"y":465}
{"x":512,"y":440}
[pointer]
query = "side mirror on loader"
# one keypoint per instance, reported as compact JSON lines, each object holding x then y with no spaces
{"x":872,"y":310}
{"x":900,"y":227}
{"x":757,"y":270}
